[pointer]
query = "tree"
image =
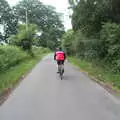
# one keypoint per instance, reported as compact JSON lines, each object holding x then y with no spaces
{"x":96,"y":26}
{"x":89,"y":15}
{"x":67,"y":42}
{"x":73,"y":3}
{"x":115,"y":8}
{"x":8,"y":19}
{"x":23,"y":38}
{"x":45,"y":17}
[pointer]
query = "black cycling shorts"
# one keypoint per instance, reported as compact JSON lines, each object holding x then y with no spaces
{"x":59,"y":62}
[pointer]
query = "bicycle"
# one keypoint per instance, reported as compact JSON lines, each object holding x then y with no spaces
{"x":61,"y":70}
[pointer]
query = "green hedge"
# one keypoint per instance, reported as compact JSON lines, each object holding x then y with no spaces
{"x":39,"y":50}
{"x":110,"y":40}
{"x":104,"y":48}
{"x":10,"y":56}
{"x":15,"y":71}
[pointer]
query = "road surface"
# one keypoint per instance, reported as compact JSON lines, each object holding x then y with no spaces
{"x":43,"y":96}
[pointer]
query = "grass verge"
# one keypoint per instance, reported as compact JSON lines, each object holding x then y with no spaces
{"x":102,"y":75}
{"x":10,"y":77}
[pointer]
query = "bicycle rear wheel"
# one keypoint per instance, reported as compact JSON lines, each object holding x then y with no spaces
{"x":61,"y":71}
{"x":61,"y":77}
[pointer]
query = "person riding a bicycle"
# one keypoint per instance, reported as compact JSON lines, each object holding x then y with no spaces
{"x":60,"y":57}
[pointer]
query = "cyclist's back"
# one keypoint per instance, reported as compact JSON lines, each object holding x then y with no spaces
{"x":59,"y":55}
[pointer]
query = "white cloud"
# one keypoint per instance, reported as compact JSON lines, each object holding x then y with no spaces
{"x":61,"y":6}
{"x":12,"y":2}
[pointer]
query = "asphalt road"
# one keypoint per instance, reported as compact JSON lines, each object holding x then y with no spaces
{"x":43,"y":96}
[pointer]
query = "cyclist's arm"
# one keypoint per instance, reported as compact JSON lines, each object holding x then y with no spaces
{"x":55,"y":56}
{"x":65,"y":56}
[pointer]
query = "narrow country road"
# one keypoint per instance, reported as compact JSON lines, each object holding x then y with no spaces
{"x":43,"y":96}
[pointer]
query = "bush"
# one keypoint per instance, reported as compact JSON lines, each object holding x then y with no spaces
{"x":67,"y":42}
{"x":110,"y":40}
{"x":103,"y":48}
{"x":78,"y":44}
{"x":10,"y":56}
{"x":40,"y":50}
{"x":23,"y":38}
{"x":82,"y":46}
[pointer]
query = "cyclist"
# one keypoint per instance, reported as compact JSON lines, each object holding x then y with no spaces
{"x":60,"y":57}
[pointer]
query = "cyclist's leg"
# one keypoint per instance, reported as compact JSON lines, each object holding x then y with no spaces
{"x":58,"y":63}
{"x":63,"y":62}
{"x":63,"y":65}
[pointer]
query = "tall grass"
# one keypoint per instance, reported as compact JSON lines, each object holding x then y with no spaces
{"x":102,"y":74}
{"x":10,"y":56}
{"x":15,"y":63}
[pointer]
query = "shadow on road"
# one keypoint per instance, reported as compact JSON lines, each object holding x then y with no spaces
{"x":69,"y":77}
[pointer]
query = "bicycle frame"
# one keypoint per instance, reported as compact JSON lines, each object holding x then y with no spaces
{"x":61,"y":70}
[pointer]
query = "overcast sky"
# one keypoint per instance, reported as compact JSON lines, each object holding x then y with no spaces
{"x":61,"y":6}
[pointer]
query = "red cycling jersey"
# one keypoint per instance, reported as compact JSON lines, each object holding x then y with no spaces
{"x":60,"y":55}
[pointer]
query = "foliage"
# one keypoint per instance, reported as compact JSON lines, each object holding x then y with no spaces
{"x":38,"y":50}
{"x":10,"y":56}
{"x":10,"y":77}
{"x":89,"y":15}
{"x":67,"y":42}
{"x":75,"y":43}
{"x":96,"y":32}
{"x":73,"y":3}
{"x":45,"y":17}
{"x":24,"y":38}
{"x":105,"y":49}
{"x":8,"y":19}
{"x":99,"y":72}
{"x":51,"y":38}
{"x":79,"y":44}
{"x":110,"y":40}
